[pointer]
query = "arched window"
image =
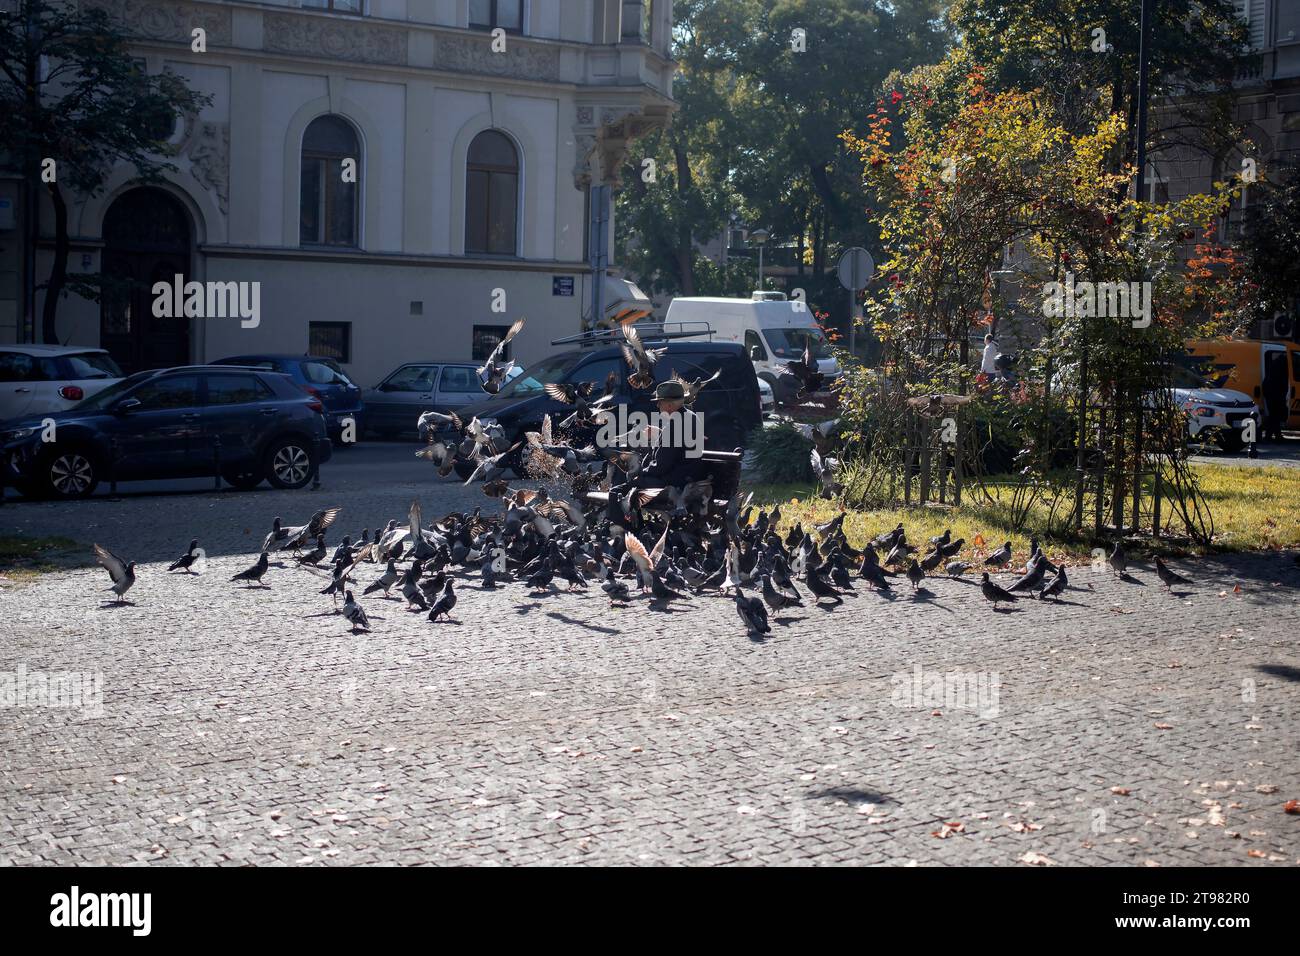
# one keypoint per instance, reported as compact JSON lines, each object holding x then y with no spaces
{"x":492,"y":195}
{"x":328,"y":206}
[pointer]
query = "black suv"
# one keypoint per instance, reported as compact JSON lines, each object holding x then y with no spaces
{"x":244,"y":424}
{"x":730,"y":406}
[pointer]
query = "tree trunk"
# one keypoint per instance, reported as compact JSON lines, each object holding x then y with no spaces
{"x":59,"y":270}
{"x":685,"y":241}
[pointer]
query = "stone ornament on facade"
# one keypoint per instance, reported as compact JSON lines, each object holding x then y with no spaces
{"x":209,"y":153}
{"x":167,"y":19}
{"x":348,"y":40}
{"x":473,"y":55}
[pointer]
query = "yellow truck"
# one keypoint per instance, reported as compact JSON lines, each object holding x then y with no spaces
{"x":1241,"y":364}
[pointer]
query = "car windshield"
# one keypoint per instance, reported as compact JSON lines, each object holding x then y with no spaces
{"x":324,"y":372}
{"x":790,"y":343}
{"x":89,"y":365}
{"x":534,"y":379}
{"x":108,"y":396}
{"x":1194,"y":371}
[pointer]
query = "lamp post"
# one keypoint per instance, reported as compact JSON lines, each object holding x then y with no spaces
{"x":759,"y":238}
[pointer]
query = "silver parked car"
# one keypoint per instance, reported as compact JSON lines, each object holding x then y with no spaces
{"x":395,"y":404}
{"x":42,"y":379}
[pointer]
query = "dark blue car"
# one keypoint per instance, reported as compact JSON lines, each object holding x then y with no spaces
{"x":241,"y":423}
{"x":319,"y":376}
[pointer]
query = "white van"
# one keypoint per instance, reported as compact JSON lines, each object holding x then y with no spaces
{"x":773,"y":329}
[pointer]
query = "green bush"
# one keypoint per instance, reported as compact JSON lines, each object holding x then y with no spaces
{"x":781,"y":454}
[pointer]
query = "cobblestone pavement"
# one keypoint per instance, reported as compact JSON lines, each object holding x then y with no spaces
{"x":1123,"y":726}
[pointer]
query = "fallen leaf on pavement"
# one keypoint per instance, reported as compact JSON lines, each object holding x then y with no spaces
{"x":1037,"y":859}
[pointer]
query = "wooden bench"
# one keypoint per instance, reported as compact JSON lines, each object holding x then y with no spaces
{"x":723,"y":467}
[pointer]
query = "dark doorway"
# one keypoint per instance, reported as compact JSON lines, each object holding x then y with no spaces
{"x":146,"y":240}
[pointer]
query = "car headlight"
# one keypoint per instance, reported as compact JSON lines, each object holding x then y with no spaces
{"x":14,"y":434}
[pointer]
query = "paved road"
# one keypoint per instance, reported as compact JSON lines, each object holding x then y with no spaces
{"x":1129,"y":726}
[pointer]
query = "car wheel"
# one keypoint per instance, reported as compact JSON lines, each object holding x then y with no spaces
{"x":1229,"y":440}
{"x":289,"y":463}
{"x":69,"y":473}
{"x":242,"y":480}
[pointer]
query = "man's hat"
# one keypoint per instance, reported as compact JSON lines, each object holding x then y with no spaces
{"x":670,"y":391}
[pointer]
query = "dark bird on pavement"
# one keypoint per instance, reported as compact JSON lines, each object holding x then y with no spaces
{"x":541,"y":580}
{"x":186,"y":561}
{"x":999,"y":558}
{"x":122,"y":572}
{"x":931,"y":561}
{"x":385,"y":581}
{"x":994,"y":593}
{"x":1031,"y":578}
{"x":339,"y":580}
{"x":615,"y":590}
{"x":411,"y":587}
{"x":820,"y":587}
{"x":442,"y":607}
{"x":1118,"y":560}
{"x":915,"y":574}
{"x":317,"y":554}
{"x":775,"y":599}
{"x":661,"y":591}
{"x":254,"y":574}
{"x":355,"y":614}
{"x":753,"y":613}
{"x":840,"y":577}
{"x":1167,"y":577}
{"x":1056,"y":586}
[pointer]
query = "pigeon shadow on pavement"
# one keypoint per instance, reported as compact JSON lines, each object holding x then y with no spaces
{"x":926,"y":596}
{"x":787,"y":621}
{"x":665,"y":607}
{"x":1129,"y":579}
{"x":114,"y":605}
{"x":1065,"y":603}
{"x":852,"y":795}
{"x":564,"y":618}
{"x":1284,"y":671}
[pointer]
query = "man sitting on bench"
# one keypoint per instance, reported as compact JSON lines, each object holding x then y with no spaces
{"x":667,"y":463}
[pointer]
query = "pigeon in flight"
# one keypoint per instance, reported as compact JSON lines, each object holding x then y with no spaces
{"x":122,"y":572}
{"x":493,"y":373}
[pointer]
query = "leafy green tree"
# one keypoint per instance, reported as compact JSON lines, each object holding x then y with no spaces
{"x":77,"y":104}
{"x":1081,"y":56}
{"x":757,"y":135}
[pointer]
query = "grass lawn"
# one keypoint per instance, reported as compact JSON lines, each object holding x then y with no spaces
{"x":1253,"y":509}
{"x":22,"y":557}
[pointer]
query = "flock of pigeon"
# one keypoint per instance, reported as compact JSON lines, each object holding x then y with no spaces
{"x":674,"y":543}
{"x":543,"y":543}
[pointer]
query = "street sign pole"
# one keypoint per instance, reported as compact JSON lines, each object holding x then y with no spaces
{"x":855,"y":268}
